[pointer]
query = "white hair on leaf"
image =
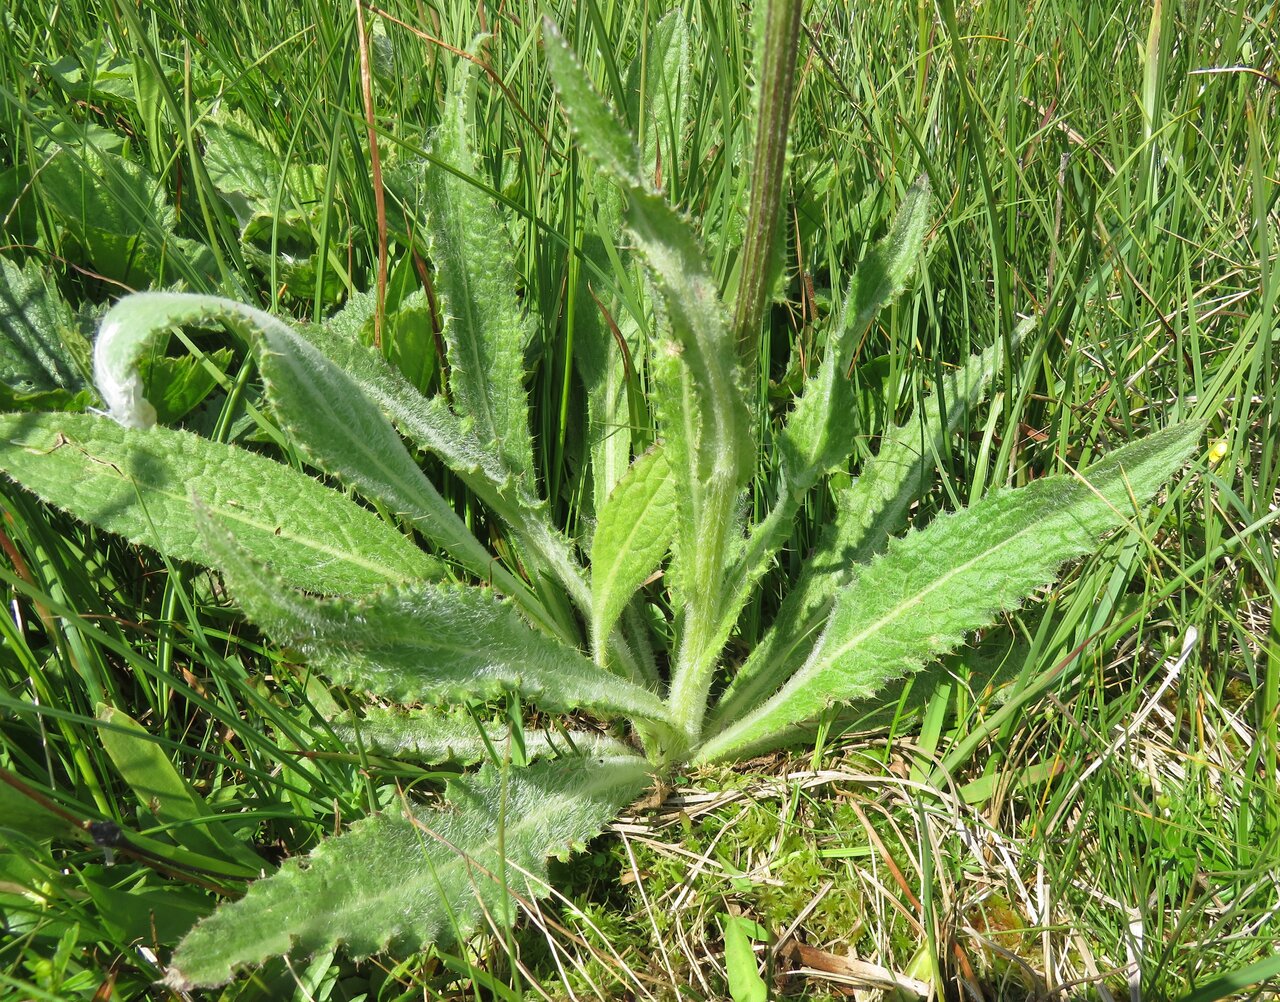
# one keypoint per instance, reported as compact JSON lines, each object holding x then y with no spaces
{"x":119,"y":380}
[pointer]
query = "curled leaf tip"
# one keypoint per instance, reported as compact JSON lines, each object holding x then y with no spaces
{"x":119,"y":382}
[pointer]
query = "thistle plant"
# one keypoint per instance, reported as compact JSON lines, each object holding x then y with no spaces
{"x":368,"y":573}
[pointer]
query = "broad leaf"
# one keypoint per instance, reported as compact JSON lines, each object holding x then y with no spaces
{"x":429,"y":877}
{"x":484,"y":326}
{"x":820,"y":433}
{"x":424,"y":642}
{"x":705,"y":418}
{"x":433,"y":427}
{"x":657,"y":95}
{"x":245,"y":169}
{"x":868,"y":513}
{"x":41,"y":347}
{"x":427,"y":422}
{"x":631,"y":538}
{"x":140,"y":484}
{"x":741,"y":970}
{"x":609,"y":347}
{"x":931,"y":587}
{"x":338,"y":429}
{"x":723,"y":442}
{"x":871,"y":510}
{"x":329,"y":419}
{"x":177,"y":386}
{"x":29,"y":818}
{"x":123,"y":220}
{"x":281,"y":211}
{"x":432,"y":737}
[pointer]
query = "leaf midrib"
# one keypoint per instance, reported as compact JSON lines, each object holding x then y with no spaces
{"x":241,"y":517}
{"x":823,"y":662}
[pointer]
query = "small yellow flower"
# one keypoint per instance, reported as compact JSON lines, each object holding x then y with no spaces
{"x":1217,"y":451}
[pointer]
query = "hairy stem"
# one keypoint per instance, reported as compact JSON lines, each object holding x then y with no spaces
{"x":776,"y":90}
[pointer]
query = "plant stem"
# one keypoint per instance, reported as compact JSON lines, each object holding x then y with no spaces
{"x":703,"y":636}
{"x":776,"y":88}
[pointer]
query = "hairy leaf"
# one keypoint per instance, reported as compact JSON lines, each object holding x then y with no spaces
{"x":723,"y":442}
{"x":427,"y":422}
{"x":929,"y":588}
{"x":631,"y":538}
{"x":484,"y":327}
{"x":868,"y":513}
{"x":331,"y":420}
{"x":610,"y":360}
{"x":139,"y":484}
{"x":432,"y":737}
{"x":603,"y":137}
{"x":177,"y":386}
{"x":135,"y":323}
{"x":433,"y":427}
{"x":429,"y":877}
{"x":240,"y":164}
{"x":819,"y":435}
{"x":657,"y":95}
{"x":122,"y":218}
{"x":424,"y":642}
{"x":706,"y":421}
{"x":337,"y":428}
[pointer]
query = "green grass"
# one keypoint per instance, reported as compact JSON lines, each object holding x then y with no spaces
{"x":1036,"y":819}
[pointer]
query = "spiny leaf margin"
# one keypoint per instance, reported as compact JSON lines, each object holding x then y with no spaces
{"x":423,"y":641}
{"x":429,"y":877}
{"x":932,"y":586}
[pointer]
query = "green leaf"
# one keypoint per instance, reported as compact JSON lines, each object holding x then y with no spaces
{"x":603,"y":138}
{"x":245,"y":169}
{"x":1233,"y":983}
{"x":41,"y":347}
{"x":817,"y":439}
{"x":631,"y":538}
{"x":433,"y":737}
{"x":657,"y":94}
{"x":408,"y":335}
{"x":706,"y":421}
{"x":284,"y":243}
{"x":484,"y":326}
{"x":427,"y":422}
{"x":136,"y":323}
{"x":338,"y":429}
{"x":330,"y":419}
{"x":424,"y":642}
{"x":609,"y":347}
{"x":122,"y":218}
{"x":177,"y":386}
{"x":139,"y":484}
{"x":434,"y":428}
{"x":160,"y":790}
{"x":819,"y":435}
{"x":745,"y":983}
{"x":868,"y":514}
{"x":28,"y":818}
{"x":401,"y":883}
{"x":722,"y":443}
{"x":281,"y":211}
{"x":92,"y":73}
{"x":871,"y":510}
{"x":141,"y":913}
{"x":931,"y":587}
